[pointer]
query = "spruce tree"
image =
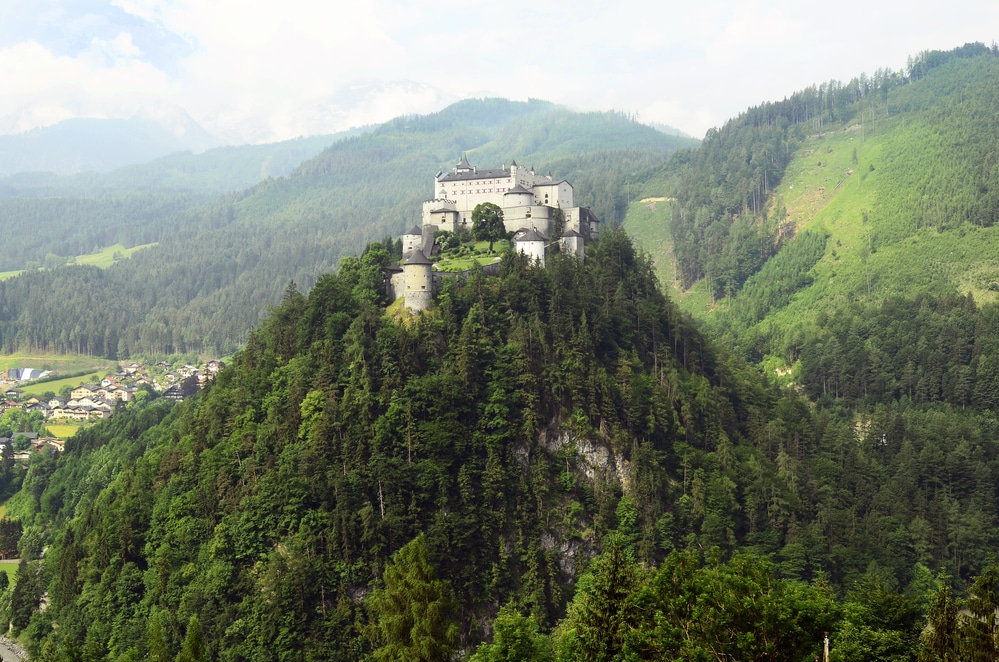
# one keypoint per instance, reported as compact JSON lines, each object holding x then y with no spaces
{"x":414,"y":611}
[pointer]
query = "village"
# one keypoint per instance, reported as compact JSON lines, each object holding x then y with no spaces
{"x":91,"y":401}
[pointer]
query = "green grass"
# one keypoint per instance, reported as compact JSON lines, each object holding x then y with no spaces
{"x":646,"y":223}
{"x":63,"y":430}
{"x":103,"y":258}
{"x":56,"y":385}
{"x":64,"y":363}
{"x":463,"y":264}
{"x":479,"y":253}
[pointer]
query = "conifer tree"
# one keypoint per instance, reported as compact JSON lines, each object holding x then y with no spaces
{"x":940,"y":638}
{"x":193,"y":648}
{"x":414,"y":611}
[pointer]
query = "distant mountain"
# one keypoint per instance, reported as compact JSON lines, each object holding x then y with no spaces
{"x":216,"y":170}
{"x":100,"y":145}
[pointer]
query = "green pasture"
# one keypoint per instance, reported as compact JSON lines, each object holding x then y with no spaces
{"x":56,"y":385}
{"x":60,"y":362}
{"x":63,"y":430}
{"x":646,"y":224}
{"x":103,"y":258}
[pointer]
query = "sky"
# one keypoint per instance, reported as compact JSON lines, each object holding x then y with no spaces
{"x":250,"y":71}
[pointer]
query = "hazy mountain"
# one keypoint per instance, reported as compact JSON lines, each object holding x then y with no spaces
{"x":100,"y":145}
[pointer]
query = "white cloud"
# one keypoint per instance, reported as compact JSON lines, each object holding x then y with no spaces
{"x":276,"y":70}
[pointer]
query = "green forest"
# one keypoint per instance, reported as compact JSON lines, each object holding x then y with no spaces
{"x":792,"y":436}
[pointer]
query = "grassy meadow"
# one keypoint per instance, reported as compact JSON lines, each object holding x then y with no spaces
{"x":63,"y":430}
{"x":103,"y":258}
{"x":646,"y":223}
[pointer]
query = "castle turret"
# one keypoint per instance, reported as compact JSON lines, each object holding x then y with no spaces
{"x":531,"y":244}
{"x":419,"y":279}
{"x":411,"y":241}
{"x":572,"y":244}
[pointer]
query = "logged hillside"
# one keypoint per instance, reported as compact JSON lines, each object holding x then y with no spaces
{"x":841,"y":212}
{"x":220,"y":263}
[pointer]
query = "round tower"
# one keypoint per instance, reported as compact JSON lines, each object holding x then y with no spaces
{"x":532,"y":245}
{"x":419,"y":278}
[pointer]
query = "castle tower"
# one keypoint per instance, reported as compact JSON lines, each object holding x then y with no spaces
{"x":531,"y":244}
{"x":419,"y":282}
{"x":572,"y":244}
{"x":411,"y":241}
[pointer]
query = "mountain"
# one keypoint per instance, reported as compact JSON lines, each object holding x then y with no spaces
{"x":558,"y":441}
{"x":557,"y":462}
{"x":212,"y":171}
{"x":815,"y":222}
{"x":220,"y":262}
{"x":99,"y":145}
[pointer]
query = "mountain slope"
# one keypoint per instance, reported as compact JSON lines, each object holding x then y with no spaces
{"x":522,"y":426}
{"x":890,"y":192}
{"x":219,"y":264}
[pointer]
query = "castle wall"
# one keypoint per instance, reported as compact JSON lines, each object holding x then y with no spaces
{"x":534,"y":250}
{"x":553,"y":194}
{"x":396,"y":285}
{"x":529,"y":216}
{"x":573,"y":245}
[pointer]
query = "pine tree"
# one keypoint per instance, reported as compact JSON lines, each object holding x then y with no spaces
{"x":940,"y":638}
{"x":193,"y":648}
{"x":414,"y":612}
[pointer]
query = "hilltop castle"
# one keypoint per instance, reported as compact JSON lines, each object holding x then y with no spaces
{"x":534,"y":207}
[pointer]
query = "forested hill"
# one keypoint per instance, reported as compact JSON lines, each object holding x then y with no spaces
{"x":358,"y":482}
{"x":812,"y":231}
{"x":221,"y":262}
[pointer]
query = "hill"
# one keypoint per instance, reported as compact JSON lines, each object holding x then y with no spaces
{"x":220,"y":262}
{"x":349,"y":464}
{"x":847,"y":207}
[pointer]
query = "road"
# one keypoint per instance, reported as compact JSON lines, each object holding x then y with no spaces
{"x":11,"y":652}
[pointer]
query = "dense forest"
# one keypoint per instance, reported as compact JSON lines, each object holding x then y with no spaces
{"x":220,"y":262}
{"x":476,"y":460}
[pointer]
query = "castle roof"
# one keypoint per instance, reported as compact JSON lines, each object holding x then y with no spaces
{"x":571,"y":233}
{"x":418,"y":258}
{"x":518,"y":189}
{"x":415,"y":230}
{"x":463,"y":175}
{"x":463,"y":164}
{"x":530,"y":235}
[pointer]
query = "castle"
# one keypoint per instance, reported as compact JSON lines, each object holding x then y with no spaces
{"x":534,"y":207}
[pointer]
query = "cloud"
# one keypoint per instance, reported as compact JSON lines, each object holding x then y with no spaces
{"x":278,"y":70}
{"x":53,"y":88}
